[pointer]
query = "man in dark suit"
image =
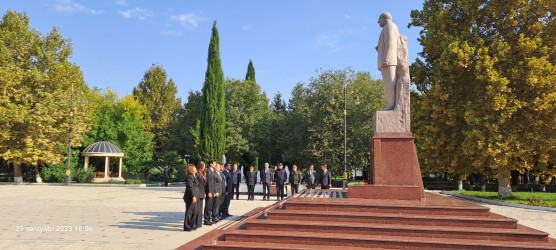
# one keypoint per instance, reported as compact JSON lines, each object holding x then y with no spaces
{"x":236,"y":176}
{"x":228,"y":175}
{"x":218,"y":193}
{"x":266,"y":179}
{"x":310,"y":177}
{"x":325,"y":178}
{"x":280,"y":177}
{"x":210,"y":191}
{"x":222,"y":197}
{"x":166,"y":175}
{"x":250,"y":180}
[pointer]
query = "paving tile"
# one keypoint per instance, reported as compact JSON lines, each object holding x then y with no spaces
{"x":121,"y":217}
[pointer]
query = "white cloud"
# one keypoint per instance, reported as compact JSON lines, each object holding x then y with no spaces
{"x":172,"y":33}
{"x":70,"y":7}
{"x":121,"y":2}
{"x":246,"y":27}
{"x":189,"y":20}
{"x":139,"y":13}
{"x":347,"y":17}
{"x":335,"y":41}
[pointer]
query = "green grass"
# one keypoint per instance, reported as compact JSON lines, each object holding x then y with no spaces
{"x":106,"y":183}
{"x":526,"y":198}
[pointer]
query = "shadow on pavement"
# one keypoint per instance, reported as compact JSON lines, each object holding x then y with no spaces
{"x":169,"y":221}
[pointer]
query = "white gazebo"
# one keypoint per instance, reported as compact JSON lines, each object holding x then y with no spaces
{"x":107,"y":150}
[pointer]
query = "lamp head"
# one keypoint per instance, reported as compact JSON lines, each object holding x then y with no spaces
{"x":332,"y":101}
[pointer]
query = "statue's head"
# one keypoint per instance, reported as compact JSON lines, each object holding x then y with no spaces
{"x":383,"y":17}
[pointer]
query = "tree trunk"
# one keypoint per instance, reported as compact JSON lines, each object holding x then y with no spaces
{"x":504,"y":188}
{"x":18,"y":177}
{"x":460,"y":185}
{"x":38,"y":178}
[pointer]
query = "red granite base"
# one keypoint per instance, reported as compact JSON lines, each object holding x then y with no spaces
{"x":385,"y":192}
{"x":395,"y":172}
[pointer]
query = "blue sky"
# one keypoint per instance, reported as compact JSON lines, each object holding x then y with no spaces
{"x":116,"y":41}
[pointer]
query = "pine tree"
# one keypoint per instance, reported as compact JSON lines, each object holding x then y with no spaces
{"x":213,"y":116}
{"x":250,"y":76}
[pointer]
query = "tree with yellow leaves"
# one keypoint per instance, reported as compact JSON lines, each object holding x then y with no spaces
{"x":35,"y":75}
{"x":487,"y":86}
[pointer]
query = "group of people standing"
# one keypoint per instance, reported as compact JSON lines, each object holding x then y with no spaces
{"x":216,"y":184}
{"x":296,"y":178}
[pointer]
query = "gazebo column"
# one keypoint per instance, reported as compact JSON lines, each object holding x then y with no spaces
{"x":120,"y":169}
{"x":86,"y":163}
{"x":106,"y":163}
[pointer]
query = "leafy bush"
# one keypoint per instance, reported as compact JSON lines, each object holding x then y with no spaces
{"x":156,"y":174}
{"x":54,"y":173}
{"x":180,"y":175}
{"x":84,"y":176}
{"x":534,"y":201}
{"x":132,"y":181}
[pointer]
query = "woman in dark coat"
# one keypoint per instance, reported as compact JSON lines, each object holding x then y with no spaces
{"x":190,"y":197}
{"x":201,"y":177}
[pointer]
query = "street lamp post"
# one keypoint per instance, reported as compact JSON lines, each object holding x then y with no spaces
{"x":357,"y":101}
{"x":68,"y":171}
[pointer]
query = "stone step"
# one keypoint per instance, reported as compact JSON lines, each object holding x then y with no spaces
{"x":314,"y":239}
{"x":477,"y":211}
{"x":493,"y":221}
{"x":235,"y":245}
{"x":520,"y":234}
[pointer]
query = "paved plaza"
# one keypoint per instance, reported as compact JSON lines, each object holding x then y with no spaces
{"x":124,"y":217}
{"x":540,"y":220}
{"x":85,"y":217}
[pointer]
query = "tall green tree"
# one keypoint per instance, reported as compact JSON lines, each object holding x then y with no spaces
{"x":325,"y":129}
{"x":213,"y":116}
{"x":157,"y":94}
{"x":236,"y":141}
{"x":121,"y":122}
{"x":187,"y":138}
{"x":295,"y":140}
{"x":35,"y":74}
{"x":250,"y":76}
{"x":246,"y":104}
{"x":488,"y":86}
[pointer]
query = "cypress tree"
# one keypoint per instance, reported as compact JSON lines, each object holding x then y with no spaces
{"x":213,"y":116}
{"x":250,"y":72}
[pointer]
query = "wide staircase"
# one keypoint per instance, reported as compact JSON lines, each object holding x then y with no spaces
{"x":322,"y":222}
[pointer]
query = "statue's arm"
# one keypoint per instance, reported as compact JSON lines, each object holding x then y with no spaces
{"x":390,"y":42}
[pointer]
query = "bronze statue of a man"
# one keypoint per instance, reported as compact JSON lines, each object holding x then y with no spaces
{"x":388,"y":56}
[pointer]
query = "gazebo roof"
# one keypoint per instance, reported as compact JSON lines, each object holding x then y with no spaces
{"x":103,"y":148}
